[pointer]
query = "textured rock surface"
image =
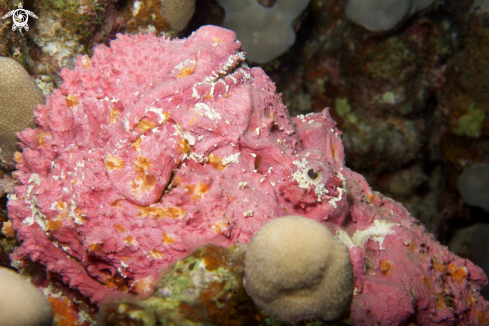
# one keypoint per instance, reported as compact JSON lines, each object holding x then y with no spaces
{"x":19,"y":96}
{"x":155,"y":147}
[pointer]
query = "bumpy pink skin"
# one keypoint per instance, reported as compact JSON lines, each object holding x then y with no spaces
{"x":91,"y":208}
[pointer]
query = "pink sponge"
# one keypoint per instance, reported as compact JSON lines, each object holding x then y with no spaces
{"x":154,"y":147}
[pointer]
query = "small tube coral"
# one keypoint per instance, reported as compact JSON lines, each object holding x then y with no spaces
{"x":297,"y":269}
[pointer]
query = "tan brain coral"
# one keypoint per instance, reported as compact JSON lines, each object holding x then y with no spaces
{"x":297,"y":269}
{"x":19,"y":96}
{"x":178,"y":13}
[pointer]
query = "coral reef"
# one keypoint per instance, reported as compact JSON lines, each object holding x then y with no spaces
{"x":8,"y":240}
{"x":154,"y":147}
{"x":19,"y":96}
{"x":13,"y":44}
{"x":296,"y":269}
{"x":463,"y":100}
{"x":64,"y":30}
{"x":159,"y":16}
{"x":265,"y":32}
{"x":205,"y":287}
{"x":376,"y":85}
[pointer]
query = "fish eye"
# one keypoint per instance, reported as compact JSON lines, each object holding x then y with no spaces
{"x":312,"y":174}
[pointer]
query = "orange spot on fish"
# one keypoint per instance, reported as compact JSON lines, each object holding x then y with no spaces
{"x":113,"y":114}
{"x":142,"y":164}
{"x":168,"y":239}
{"x":186,"y":71}
{"x":160,"y":212}
{"x":136,"y":145}
{"x":119,"y":227}
{"x":72,"y":101}
{"x":385,"y":267}
{"x":438,"y":265}
{"x":218,"y":226}
{"x":156,"y":254}
{"x":216,"y":162}
{"x":113,"y":163}
{"x":95,"y":247}
{"x":194,"y":192}
{"x":53,"y":225}
{"x":458,"y":273}
{"x":145,"y":125}
{"x":183,"y":146}
{"x":175,"y":182}
{"x":40,"y":137}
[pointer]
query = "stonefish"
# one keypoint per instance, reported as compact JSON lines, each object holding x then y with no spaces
{"x":154,"y":147}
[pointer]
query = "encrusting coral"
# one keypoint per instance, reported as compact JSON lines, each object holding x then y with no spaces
{"x":297,"y":269}
{"x":154,"y":147}
{"x":19,"y":96}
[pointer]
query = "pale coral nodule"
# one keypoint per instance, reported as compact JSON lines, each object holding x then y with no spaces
{"x":296,"y":269}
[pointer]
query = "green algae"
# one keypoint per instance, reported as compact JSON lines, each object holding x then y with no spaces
{"x":470,"y":124}
{"x":204,"y":289}
{"x":73,"y":15}
{"x":342,"y":107}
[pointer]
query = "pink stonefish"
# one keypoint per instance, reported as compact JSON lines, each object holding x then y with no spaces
{"x":154,"y":147}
